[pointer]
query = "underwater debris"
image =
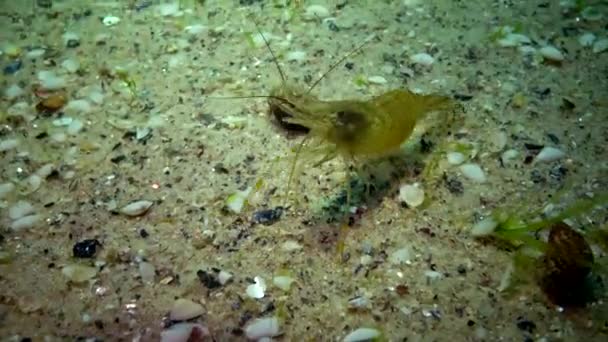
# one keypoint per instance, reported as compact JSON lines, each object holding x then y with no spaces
{"x":267,"y":216}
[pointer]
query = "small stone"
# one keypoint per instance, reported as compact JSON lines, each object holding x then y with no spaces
{"x":183,"y":332}
{"x":551,"y":53}
{"x":267,"y":216}
{"x":283,"y":282}
{"x":12,"y":67}
{"x":72,"y":43}
{"x":136,"y":208}
{"x":85,"y":248}
{"x":51,"y":104}
{"x":262,"y":328}
{"x":8,"y":144}
{"x":550,"y":154}
{"x":586,"y":39}
{"x":362,"y":334}
{"x":25,"y":222}
{"x":5,"y":189}
{"x":455,"y":158}
{"x":600,"y":45}
{"x":400,"y":256}
{"x":422,"y":59}
{"x":110,"y":21}
{"x":147,"y":272}
{"x":20,"y":209}
{"x":484,"y":227}
{"x":313,"y":12}
{"x":185,"y":309}
{"x":224,"y":277}
{"x":44,"y":3}
{"x":473,"y":172}
{"x":376,"y":80}
{"x":79,"y":273}
{"x":13,"y":91}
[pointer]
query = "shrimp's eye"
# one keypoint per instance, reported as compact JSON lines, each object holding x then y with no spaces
{"x":348,"y":124}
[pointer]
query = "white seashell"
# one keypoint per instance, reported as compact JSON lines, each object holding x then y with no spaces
{"x":195,"y":30}
{"x":362,"y":334}
{"x":262,"y":327}
{"x":422,"y":59}
{"x":473,"y":172}
{"x":411,"y":194}
{"x":25,"y":222}
{"x":551,"y":53}
{"x":224,"y":277}
{"x":513,"y":39}
{"x":136,"y":208}
{"x":549,"y":154}
{"x":257,"y":289}
{"x":70,"y":65}
{"x":509,"y":155}
{"x":50,"y":81}
{"x":77,"y":106}
{"x":185,"y":309}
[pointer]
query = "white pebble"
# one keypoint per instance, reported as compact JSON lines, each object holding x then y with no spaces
{"x":45,"y":170}
{"x":400,"y":256}
{"x":69,"y":36}
{"x":257,"y":289}
{"x":75,"y":127}
{"x":96,"y":96}
{"x":20,"y":209}
{"x":549,"y":154}
{"x":484,"y":227}
{"x":25,"y":222}
{"x":136,"y":208}
{"x":50,"y":81}
{"x":362,"y":334}
{"x":377,"y":80}
{"x":70,"y":65}
{"x":110,"y":20}
{"x":185,"y":309}
{"x":8,"y":144}
{"x":195,"y":30}
{"x":283,"y":282}
{"x":473,"y":172}
{"x":169,"y":9}
{"x":147,"y":272}
{"x":600,"y":45}
{"x":35,"y":53}
{"x":224,"y":277}
{"x":509,"y":155}
{"x":455,"y":158}
{"x":262,"y":327}
{"x":513,"y":39}
{"x":34,"y":181}
{"x":236,"y":201}
{"x":296,"y":55}
{"x":433,"y":276}
{"x":79,"y":273}
{"x":411,"y":194}
{"x":586,"y":39}
{"x":77,"y":106}
{"x":182,"y":332}
{"x":313,"y":12}
{"x":62,"y":121}
{"x":551,"y":53}
{"x":13,"y":91}
{"x":6,"y":188}
{"x":422,"y":59}
{"x":290,"y":246}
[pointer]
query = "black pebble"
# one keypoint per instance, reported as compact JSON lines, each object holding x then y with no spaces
{"x":73,"y":43}
{"x":208,"y":279}
{"x":462,"y":269}
{"x":44,"y":3}
{"x":453,"y":185}
{"x":143,"y":233}
{"x":85,"y":248}
{"x":267,"y":216}
{"x":12,"y":67}
{"x":525,"y":325}
{"x":349,"y":65}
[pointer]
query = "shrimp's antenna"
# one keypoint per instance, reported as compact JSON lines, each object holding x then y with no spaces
{"x":274,"y":57}
{"x":335,"y":65}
